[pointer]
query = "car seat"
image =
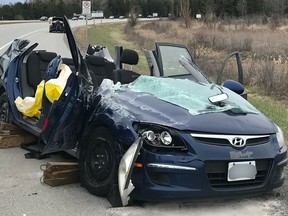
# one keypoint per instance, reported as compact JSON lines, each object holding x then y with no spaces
{"x":125,"y":76}
{"x":34,"y":72}
{"x":100,"y":68}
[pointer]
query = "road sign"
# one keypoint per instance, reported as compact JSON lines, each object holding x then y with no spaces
{"x":86,"y":7}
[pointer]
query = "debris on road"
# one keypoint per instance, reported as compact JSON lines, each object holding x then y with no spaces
{"x":60,"y":173}
{"x":13,"y":136}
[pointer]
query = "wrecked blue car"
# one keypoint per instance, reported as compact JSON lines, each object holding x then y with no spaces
{"x":171,"y":135}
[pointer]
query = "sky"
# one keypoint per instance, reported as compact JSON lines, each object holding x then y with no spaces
{"x":11,"y":1}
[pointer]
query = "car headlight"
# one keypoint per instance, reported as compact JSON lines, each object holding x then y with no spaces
{"x":280,"y":137}
{"x":166,"y":138}
{"x":160,"y":137}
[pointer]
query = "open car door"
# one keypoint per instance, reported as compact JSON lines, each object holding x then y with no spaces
{"x":239,"y":68}
{"x":168,"y":55}
{"x":175,"y":61}
{"x":164,"y":60}
{"x":64,"y":122}
{"x":240,"y":78}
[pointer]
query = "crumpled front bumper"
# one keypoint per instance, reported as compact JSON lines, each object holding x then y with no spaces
{"x":177,"y":176}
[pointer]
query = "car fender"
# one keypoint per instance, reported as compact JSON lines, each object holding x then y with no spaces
{"x":120,"y":127}
{"x":2,"y":87}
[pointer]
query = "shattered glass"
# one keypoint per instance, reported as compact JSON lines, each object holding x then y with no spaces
{"x":107,"y":90}
{"x":190,"y":95}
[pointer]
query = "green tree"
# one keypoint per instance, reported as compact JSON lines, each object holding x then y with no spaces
{"x":7,"y":12}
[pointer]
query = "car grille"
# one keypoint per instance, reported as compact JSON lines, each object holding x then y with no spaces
{"x":217,"y":174}
{"x":222,"y":141}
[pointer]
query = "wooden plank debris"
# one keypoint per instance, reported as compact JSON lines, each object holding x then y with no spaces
{"x":60,"y":173}
{"x":13,"y":129}
{"x":13,"y":136}
{"x":54,"y":173}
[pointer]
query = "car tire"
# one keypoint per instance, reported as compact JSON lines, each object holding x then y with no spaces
{"x":98,"y":162}
{"x":5,"y":112}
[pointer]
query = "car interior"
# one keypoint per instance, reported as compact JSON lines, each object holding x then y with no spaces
{"x":124,"y":76}
{"x":34,"y":69}
{"x":101,"y":68}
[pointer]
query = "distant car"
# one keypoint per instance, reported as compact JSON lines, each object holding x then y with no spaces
{"x":149,"y":16}
{"x":43,"y":18}
{"x":82,"y":17}
{"x":57,"y":25}
{"x":74,"y":18}
{"x":111,"y":17}
{"x":121,"y":17}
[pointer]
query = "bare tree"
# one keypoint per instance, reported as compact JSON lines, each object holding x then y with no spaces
{"x":133,"y":16}
{"x":276,"y":6}
{"x":276,"y":10}
{"x":99,"y":4}
{"x":242,"y":8}
{"x":186,"y":12}
{"x":210,"y":16}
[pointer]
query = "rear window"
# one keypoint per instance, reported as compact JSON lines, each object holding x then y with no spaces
{"x":57,"y":19}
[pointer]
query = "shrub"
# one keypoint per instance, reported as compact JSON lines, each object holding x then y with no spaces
{"x":274,"y":21}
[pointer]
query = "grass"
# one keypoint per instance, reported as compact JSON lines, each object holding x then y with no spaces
{"x":275,"y":110}
{"x":101,"y":35}
{"x":109,"y":35}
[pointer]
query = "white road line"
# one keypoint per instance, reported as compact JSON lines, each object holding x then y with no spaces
{"x":22,"y":37}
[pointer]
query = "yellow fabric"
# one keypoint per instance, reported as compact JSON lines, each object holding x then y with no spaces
{"x":30,"y":106}
{"x":54,"y":87}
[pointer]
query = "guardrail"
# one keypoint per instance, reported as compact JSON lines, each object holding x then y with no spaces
{"x":17,"y":21}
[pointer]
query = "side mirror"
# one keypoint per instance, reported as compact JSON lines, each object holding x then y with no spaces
{"x":234,"y":86}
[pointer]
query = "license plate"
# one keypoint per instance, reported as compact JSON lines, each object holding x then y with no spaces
{"x":240,"y":171}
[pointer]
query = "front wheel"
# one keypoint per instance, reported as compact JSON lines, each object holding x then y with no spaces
{"x":98,"y":162}
{"x":5,"y":115}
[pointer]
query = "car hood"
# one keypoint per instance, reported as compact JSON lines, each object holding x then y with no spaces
{"x":184,"y":105}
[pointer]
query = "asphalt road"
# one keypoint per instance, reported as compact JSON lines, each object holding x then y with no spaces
{"x":37,"y":31}
{"x":22,"y":193}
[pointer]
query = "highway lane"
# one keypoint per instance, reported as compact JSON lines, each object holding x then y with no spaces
{"x":35,"y":32}
{"x":39,"y":32}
